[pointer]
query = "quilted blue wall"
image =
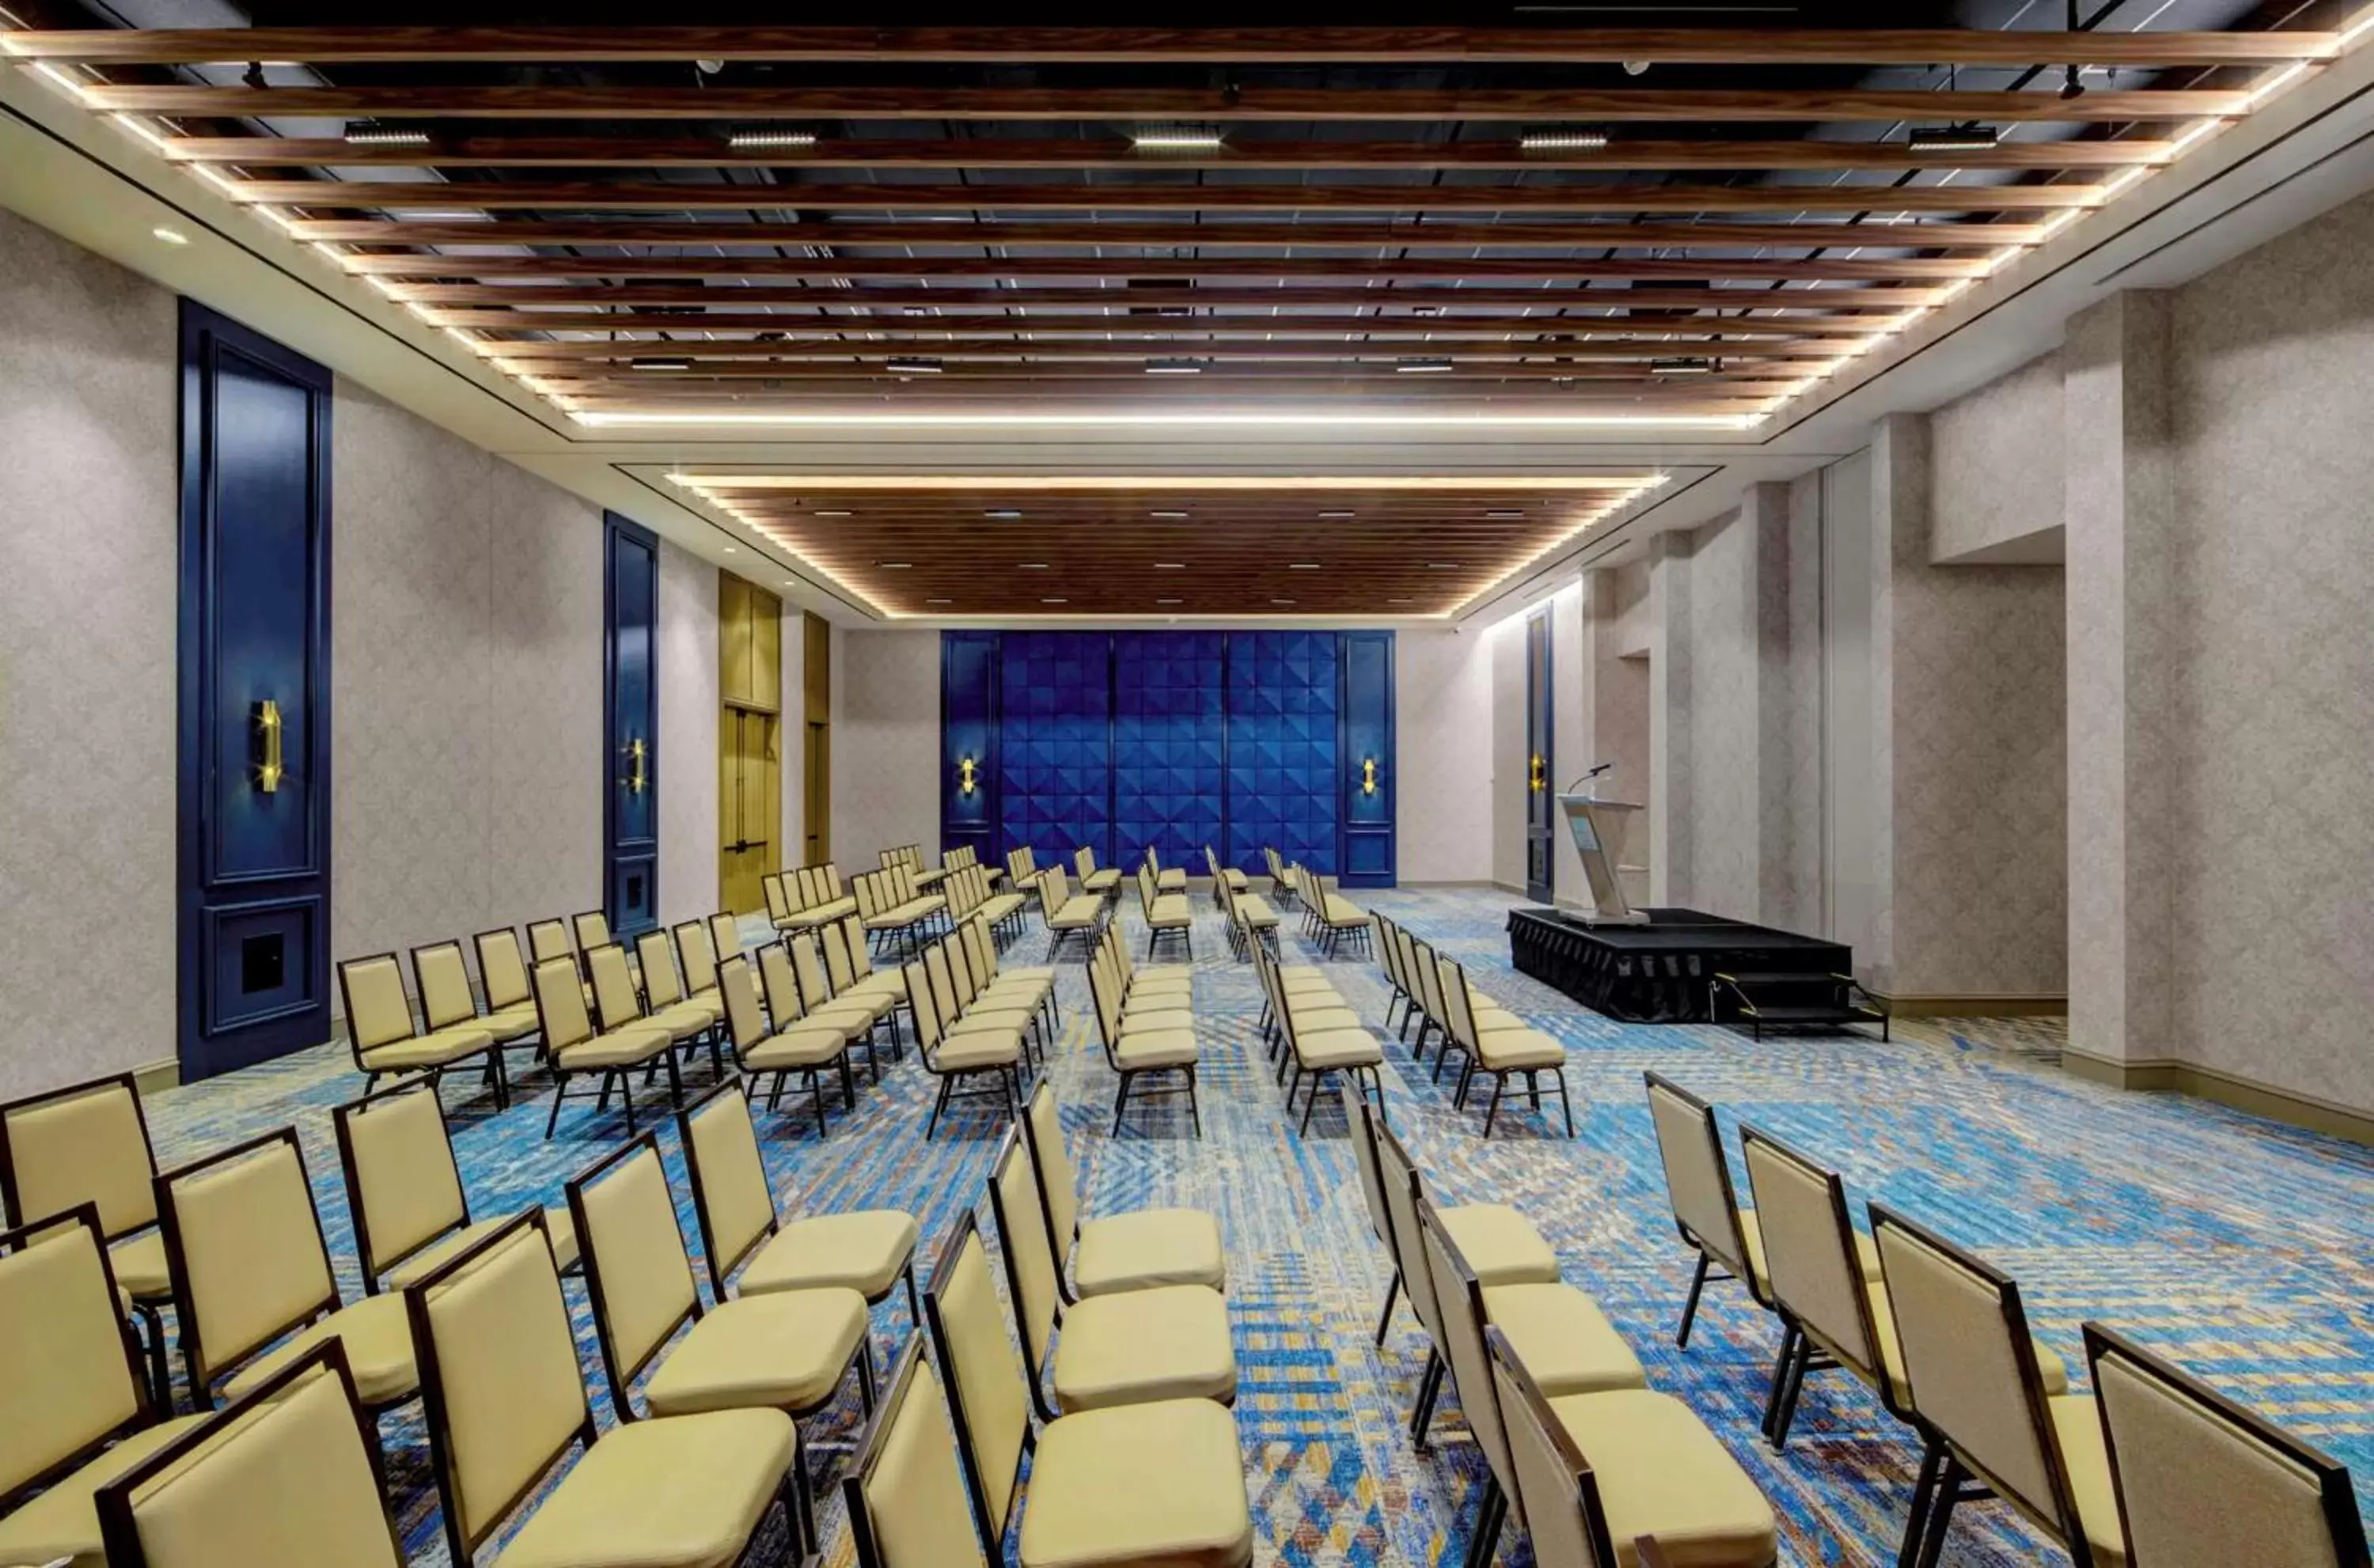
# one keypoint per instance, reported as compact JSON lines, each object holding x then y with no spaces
{"x":1055,"y":745}
{"x":1283,"y":776}
{"x":1168,"y":731}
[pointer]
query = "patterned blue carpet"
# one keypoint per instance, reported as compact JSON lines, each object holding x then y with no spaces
{"x":2240,"y":1247}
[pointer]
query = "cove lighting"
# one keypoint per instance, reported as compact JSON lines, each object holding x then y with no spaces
{"x":836,"y":514}
{"x":1504,"y":516}
{"x":975,"y":483}
{"x":1004,"y":515}
{"x":1570,"y":138}
{"x":1170,"y":566}
{"x":660,"y":362}
{"x":1336,"y":516}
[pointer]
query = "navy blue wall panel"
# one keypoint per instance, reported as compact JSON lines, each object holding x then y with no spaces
{"x":630,"y":720}
{"x":1169,"y":730}
{"x":1055,"y":745}
{"x":1367,"y":774}
{"x":968,"y":728}
{"x":1283,"y":748}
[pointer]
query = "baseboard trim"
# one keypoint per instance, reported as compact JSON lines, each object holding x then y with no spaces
{"x":1975,"y":1004}
{"x":149,"y":1077}
{"x":2168,"y":1075}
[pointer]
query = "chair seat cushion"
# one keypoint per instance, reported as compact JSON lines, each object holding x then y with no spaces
{"x":1148,"y":1247}
{"x":621,"y":1048}
{"x":986,"y":1020}
{"x":139,"y":1265}
{"x":1342,"y":912}
{"x":1303,"y":979}
{"x":851,"y":1018}
{"x":1319,"y":1050}
{"x":1140,"y":974}
{"x":1510,"y":1049}
{"x":2078,"y":1425}
{"x":1132,"y":1349}
{"x":1563,"y":1339}
{"x":1327,"y":1020}
{"x":1019,"y":989}
{"x":1101,"y":881}
{"x":433,"y":1049}
{"x":1171,"y":909}
{"x":1662,"y":1473}
{"x":1027,"y":973}
{"x":1312,"y":1000}
{"x":1501,"y":1245}
{"x":62,"y":1523}
{"x":864,"y":1250}
{"x":1234,"y":878}
{"x":1157,"y":1017}
{"x":508,"y":1024}
{"x":1140,"y":1484}
{"x":785,"y":1351}
{"x":991,"y":1047}
{"x":687,"y":1492}
{"x":1163,"y":991}
{"x":1081,"y":911}
{"x":1171,"y":879}
{"x":802,"y":1045}
{"x":683,"y":1019}
{"x":379,"y":1350}
{"x":1155,"y":1047}
{"x":558,"y":1225}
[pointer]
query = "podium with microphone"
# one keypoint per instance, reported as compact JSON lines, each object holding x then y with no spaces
{"x":1599,"y":826}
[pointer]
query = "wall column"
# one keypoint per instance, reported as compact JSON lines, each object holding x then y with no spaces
{"x":1670,"y":864}
{"x":1899,"y":537}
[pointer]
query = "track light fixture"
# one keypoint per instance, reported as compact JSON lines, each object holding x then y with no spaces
{"x":762,"y":139}
{"x":1966,"y":135}
{"x":1562,"y":138}
{"x":378,"y":134}
{"x":1687,"y":365}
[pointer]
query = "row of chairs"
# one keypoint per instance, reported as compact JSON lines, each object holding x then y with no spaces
{"x":1252,"y":917}
{"x":971,"y":894}
{"x":2153,"y":1467}
{"x":1145,"y":1018}
{"x":1581,"y":1453}
{"x":803,"y":899}
{"x":1311,"y":1031}
{"x":973,"y":1022}
{"x":1166,"y":914}
{"x":1437,"y":993}
{"x":895,"y":909}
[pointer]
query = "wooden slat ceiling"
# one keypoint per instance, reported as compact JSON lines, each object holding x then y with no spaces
{"x":953,"y":214}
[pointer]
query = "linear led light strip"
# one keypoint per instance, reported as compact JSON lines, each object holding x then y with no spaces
{"x":759,"y":527}
{"x":1582,"y":525}
{"x":1630,"y":483}
{"x":2352,"y":34}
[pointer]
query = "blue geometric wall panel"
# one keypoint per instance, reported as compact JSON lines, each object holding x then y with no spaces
{"x":1168,"y":731}
{"x":1055,"y":751}
{"x":1283,"y":763}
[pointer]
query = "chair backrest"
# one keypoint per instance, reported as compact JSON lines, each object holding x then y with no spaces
{"x":1357,"y":1112}
{"x":69,"y":1377}
{"x":1809,"y":1254}
{"x":1459,"y":1302}
{"x":503,"y":968}
{"x":249,"y":1262}
{"x":920,"y":1003}
{"x":549,"y":939}
{"x":403,"y":1186}
{"x":1698,"y":1178}
{"x":778,"y":904}
{"x":1153,"y":862}
{"x":724,"y":933}
{"x":1055,"y":891}
{"x":377,"y":1012}
{"x":1020,"y":863}
{"x":1388,"y":956}
{"x":1277,"y":871}
{"x":505,"y":1395}
{"x":1031,"y":1283}
{"x":1429,"y":985}
{"x":1145,"y":886}
{"x":943,"y":982}
{"x":807,"y":887}
{"x":698,"y":951}
{"x":85,"y":1143}
{"x":1555,"y":1489}
{"x":283,"y":1476}
{"x":1972,"y":1367}
{"x":743,"y":1020}
{"x":442,"y":978}
{"x":636,"y":1270}
{"x":981,"y":950}
{"x":1403,"y":1187}
{"x":852,"y":940}
{"x":870,"y":894}
{"x":783,"y":1005}
{"x":807,"y":964}
{"x":905,"y":1491}
{"x":1084,"y":861}
{"x":986,"y":1388}
{"x":560,"y":1013}
{"x":732,"y":1199}
{"x":1042,"y":1123}
{"x":970,"y":982}
{"x":1104,"y":986}
{"x":1459,"y":1000}
{"x":656,"y":952}
{"x":2203,"y":1482}
{"x":844,"y":970}
{"x":614,"y":997}
{"x":592,"y":929}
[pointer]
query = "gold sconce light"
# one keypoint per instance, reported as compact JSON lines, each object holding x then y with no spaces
{"x":1535,"y":779}
{"x":1367,"y":776}
{"x":965,"y":777}
{"x":637,"y":778}
{"x":270,"y":769}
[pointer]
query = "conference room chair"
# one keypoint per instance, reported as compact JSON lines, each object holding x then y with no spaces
{"x":790,"y":1002}
{"x":285,"y":1475}
{"x":665,"y":991}
{"x":76,"y":1410}
{"x":1705,"y":1209}
{"x":1034,"y":984}
{"x":1501,"y":1053}
{"x":954,"y":1059}
{"x":1002,"y":912}
{"x":1498,"y":1246}
{"x":253,"y":1284}
{"x":1603,"y":1478}
{"x":1171,"y":879}
{"x":964,"y":1009}
{"x":1556,"y":1331}
{"x":403,"y":1189}
{"x":1166,"y":914}
{"x":1223,"y":877}
{"x":764,"y":1052}
{"x":506,"y":1402}
{"x":888,"y":917}
{"x":1434,"y":1000}
{"x":1833,"y":1316}
{"x":574,"y":1047}
{"x":1311,"y":993}
{"x":698,"y":951}
{"x":1281,"y":886}
{"x":2201,"y":1481}
{"x":905,"y":1490}
{"x":89,"y":1144}
{"x":789,"y":1351}
{"x":1021,"y":865}
{"x":1064,"y":913}
{"x":1250,"y":917}
{"x":821,"y":1000}
{"x":383,"y":1037}
{"x":441,"y":978}
{"x":549,"y":939}
{"x":1988,"y":1411}
{"x":1154,"y":1484}
{"x":1139,"y":1043}
{"x":853,"y":975}
{"x":820,"y":895}
{"x":1397,"y":980}
{"x":619,"y":1003}
{"x":1167,"y":1342}
{"x":724,"y":935}
{"x":1102,"y":882}
{"x":1138,"y":1249}
{"x":503,"y":979}
{"x":1141,"y":982}
{"x":778,"y":901}
{"x":1320,"y":1038}
{"x":870,"y":1251}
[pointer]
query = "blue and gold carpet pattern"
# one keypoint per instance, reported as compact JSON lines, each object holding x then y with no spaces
{"x":2241,"y":1248}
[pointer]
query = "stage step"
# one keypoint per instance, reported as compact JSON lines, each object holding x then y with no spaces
{"x":1786,"y":1000}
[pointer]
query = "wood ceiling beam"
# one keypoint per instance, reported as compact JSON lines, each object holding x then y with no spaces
{"x":1715,"y":46}
{"x":1598,"y":197}
{"x":1827,"y":298}
{"x":711,"y":152}
{"x":792,"y":101}
{"x":741,"y":324}
{"x":1439,"y":269}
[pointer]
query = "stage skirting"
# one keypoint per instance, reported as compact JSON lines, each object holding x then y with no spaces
{"x":1657,"y":973}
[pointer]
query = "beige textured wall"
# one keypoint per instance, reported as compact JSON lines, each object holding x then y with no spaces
{"x":87,"y":670}
{"x":687,"y":743}
{"x":1619,"y":689}
{"x":1507,"y":641}
{"x":1443,"y":753}
{"x":1995,"y":469}
{"x":886,"y":738}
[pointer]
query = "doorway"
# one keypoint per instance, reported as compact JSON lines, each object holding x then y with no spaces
{"x":749,"y":748}
{"x":1540,"y":751}
{"x":816,"y":752}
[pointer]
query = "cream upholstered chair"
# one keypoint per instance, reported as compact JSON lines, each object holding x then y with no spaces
{"x":1002,"y":912}
{"x":697,"y":949}
{"x":252,"y":1279}
{"x":1166,"y":914}
{"x":2203,"y":1482}
{"x":1987,"y":1409}
{"x":1331,"y":919}
{"x":1134,"y":1251}
{"x":1167,"y":1342}
{"x":814,"y":897}
{"x":1501,"y":1053}
{"x":724,"y":935}
{"x":1166,"y":880}
{"x":665,"y":993}
{"x":905,"y":1490}
{"x":1697,"y":1185}
{"x":1156,"y":1484}
{"x":968,"y":1007}
{"x":618,"y":1005}
{"x":403,"y":1188}
{"x":574,"y":1047}
{"x":853,"y":976}
{"x":441,"y":977}
{"x":952,"y":1058}
{"x":285,"y":1475}
{"x":89,"y":1144}
{"x":1140,"y":983}
{"x":797,"y":1046}
{"x":1250,"y":917}
{"x":1560,"y":1333}
{"x":1066,"y":913}
{"x":503,"y":977}
{"x":1138,"y":1043}
{"x":1320,"y":1039}
{"x":1034,"y":987}
{"x":1389,"y":959}
{"x":1101,"y":883}
{"x":822,"y":999}
{"x":867,"y":1250}
{"x":1021,"y":865}
{"x":1281,"y":886}
{"x":75,"y":1411}
{"x":1226,"y":878}
{"x":383,"y":1037}
{"x":1499,"y":1245}
{"x":549,"y":939}
{"x":1603,"y":1478}
{"x":506,"y":1401}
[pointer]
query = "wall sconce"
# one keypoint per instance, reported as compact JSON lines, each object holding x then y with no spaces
{"x":637,"y":778}
{"x":1535,"y":779}
{"x":1367,"y":776}
{"x":965,"y":778}
{"x":269,"y":768}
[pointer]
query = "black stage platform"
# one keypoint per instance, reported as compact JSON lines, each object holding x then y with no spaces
{"x":1659,"y":973}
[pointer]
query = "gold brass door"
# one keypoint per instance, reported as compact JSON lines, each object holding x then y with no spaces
{"x":750,"y":805}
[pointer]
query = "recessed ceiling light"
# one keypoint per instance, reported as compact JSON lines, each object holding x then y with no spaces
{"x":1281,"y":601}
{"x":1422,"y":367}
{"x":1032,"y":566}
{"x":1170,"y":566}
{"x":895,"y":566}
{"x":1177,"y":138}
{"x":1169,"y":517}
{"x":1964,"y":136}
{"x":1336,"y":516}
{"x":171,"y":236}
{"x":790,"y":582}
{"x":1174,"y":367}
{"x":939,"y":601}
{"x":908,"y":364}
{"x":371,"y":134}
{"x":914,"y":310}
{"x":836,"y":514}
{"x":1302,"y":566}
{"x":1563,"y":138}
{"x":729,"y":549}
{"x":1054,"y":602}
{"x":1442,"y":565}
{"x":758,"y":138}
{"x":660,"y":362}
{"x":1503,"y":515}
{"x":1170,"y":601}
{"x":1425,"y":309}
{"x":1399,"y":601}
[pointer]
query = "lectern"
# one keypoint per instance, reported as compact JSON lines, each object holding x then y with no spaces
{"x":1598,"y":827}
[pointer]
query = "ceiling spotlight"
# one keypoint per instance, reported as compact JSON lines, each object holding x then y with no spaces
{"x":660,"y":362}
{"x":1031,"y":567}
{"x":1054,"y":602}
{"x":1169,"y":517}
{"x":729,"y":550}
{"x":1686,"y":364}
{"x":1003,"y":514}
{"x":1637,"y":67}
{"x":1504,"y":516}
{"x":1281,"y":601}
{"x":895,"y":566}
{"x":375,"y":133}
{"x":1177,"y":139}
{"x":1336,"y":516}
{"x":1422,"y":367}
{"x":939,"y":601}
{"x":911,"y":365}
{"x":171,"y":236}
{"x":762,"y":139}
{"x":1174,"y":367}
{"x":1442,"y":565}
{"x":1170,"y":601}
{"x":836,"y":514}
{"x":1563,"y":138}
{"x":1966,"y":135}
{"x":1302,"y":566}
{"x":1170,"y":566}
